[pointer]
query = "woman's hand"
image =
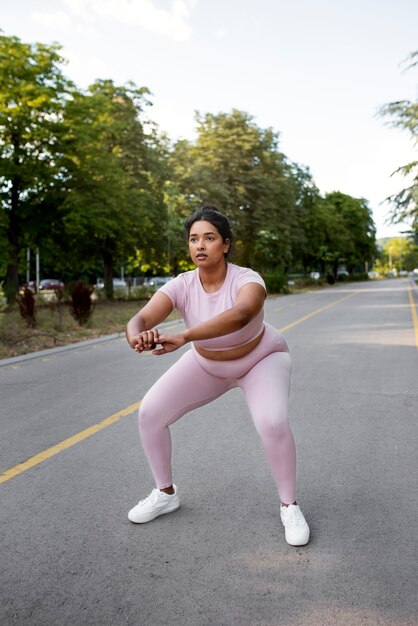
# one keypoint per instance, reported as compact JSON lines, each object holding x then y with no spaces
{"x":146,"y":340}
{"x":170,"y":343}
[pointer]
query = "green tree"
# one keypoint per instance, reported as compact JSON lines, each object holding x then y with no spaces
{"x":237,"y":166}
{"x":307,"y":224}
{"x":113,"y":200}
{"x":400,"y":253}
{"x":404,"y":115}
{"x":33,"y":91}
{"x":351,"y":233}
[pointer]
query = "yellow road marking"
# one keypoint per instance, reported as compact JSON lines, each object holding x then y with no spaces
{"x":67,"y":443}
{"x":173,"y":325}
{"x":323,"y":308}
{"x":413,"y":314}
{"x":92,"y":430}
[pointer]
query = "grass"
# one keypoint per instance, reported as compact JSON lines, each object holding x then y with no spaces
{"x":16,"y":338}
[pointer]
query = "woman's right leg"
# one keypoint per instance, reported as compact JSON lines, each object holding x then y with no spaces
{"x":184,"y":387}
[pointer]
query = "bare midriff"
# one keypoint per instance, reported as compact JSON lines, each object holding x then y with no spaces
{"x":232,"y":353}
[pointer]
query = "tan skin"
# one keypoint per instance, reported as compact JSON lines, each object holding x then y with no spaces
{"x":207,"y":250}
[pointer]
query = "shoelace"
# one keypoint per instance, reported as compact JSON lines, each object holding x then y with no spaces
{"x":293,"y":516}
{"x":151,"y":499}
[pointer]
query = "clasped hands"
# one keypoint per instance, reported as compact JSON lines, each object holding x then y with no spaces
{"x":147,"y":340}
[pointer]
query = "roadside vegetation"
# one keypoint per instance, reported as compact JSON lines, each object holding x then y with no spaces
{"x":56,"y":326}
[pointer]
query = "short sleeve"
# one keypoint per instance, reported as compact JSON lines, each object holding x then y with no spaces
{"x":249,"y":276}
{"x":174,"y":290}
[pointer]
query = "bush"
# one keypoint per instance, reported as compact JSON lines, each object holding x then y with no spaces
{"x":26,"y":302}
{"x":3,"y":302}
{"x":307,"y":282}
{"x":359,"y":276}
{"x":276,"y":282}
{"x":141,"y":292}
{"x":81,"y":306}
{"x":3,"y":299}
{"x":342,"y":278}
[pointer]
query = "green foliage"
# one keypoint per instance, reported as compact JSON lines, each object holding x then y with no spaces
{"x":87,"y":178}
{"x":113,"y":202}
{"x":347,"y":236}
{"x":3,"y":299}
{"x":237,"y":166}
{"x":403,"y":114}
{"x":276,"y":281}
{"x":306,"y":223}
{"x":400,"y":253}
{"x":3,"y":302}
{"x":360,"y":276}
{"x":32,"y":94}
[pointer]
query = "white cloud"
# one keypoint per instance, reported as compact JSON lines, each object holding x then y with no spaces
{"x":60,"y":20}
{"x":220,"y":34}
{"x":173,"y":22}
{"x":84,"y":70}
{"x":176,"y":120}
{"x":57,"y":19}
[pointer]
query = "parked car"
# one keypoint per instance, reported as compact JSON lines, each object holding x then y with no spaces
{"x":315,"y":275}
{"x":45,"y":285}
{"x":373,"y":275}
{"x":118,"y":283}
{"x":50,"y":284}
{"x":342,"y":273}
{"x":155,"y":282}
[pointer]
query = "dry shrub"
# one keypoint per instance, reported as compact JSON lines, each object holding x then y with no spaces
{"x":81,"y":306}
{"x":26,"y":302}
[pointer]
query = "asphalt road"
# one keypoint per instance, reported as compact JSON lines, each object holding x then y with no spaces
{"x":70,"y":556}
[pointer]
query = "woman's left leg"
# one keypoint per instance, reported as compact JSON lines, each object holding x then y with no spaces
{"x":266,"y":387}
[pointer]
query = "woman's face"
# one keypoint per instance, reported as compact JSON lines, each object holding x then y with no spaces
{"x":206,"y":245}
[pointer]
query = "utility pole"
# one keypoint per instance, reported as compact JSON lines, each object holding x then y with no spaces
{"x":27,"y":265}
{"x":37,"y":270}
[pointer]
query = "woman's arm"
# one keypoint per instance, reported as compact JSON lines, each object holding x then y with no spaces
{"x":250,"y":301}
{"x":140,"y":329}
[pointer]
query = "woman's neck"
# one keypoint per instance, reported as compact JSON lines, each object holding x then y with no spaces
{"x":212,"y":279}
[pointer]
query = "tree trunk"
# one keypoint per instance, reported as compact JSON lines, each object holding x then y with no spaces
{"x":11,"y":284}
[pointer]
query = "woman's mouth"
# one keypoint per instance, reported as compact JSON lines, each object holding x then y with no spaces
{"x":201,"y":257}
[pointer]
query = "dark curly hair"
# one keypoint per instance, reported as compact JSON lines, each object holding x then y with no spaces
{"x":210,"y":213}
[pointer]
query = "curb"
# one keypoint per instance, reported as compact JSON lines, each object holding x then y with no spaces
{"x":71,"y":346}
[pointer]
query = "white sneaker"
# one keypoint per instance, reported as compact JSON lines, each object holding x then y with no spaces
{"x":295,"y":525}
{"x":157,"y":503}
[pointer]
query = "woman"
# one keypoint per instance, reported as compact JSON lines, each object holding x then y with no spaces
{"x":222,"y":307}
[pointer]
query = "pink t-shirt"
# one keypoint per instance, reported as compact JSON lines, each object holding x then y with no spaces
{"x":196,"y":305}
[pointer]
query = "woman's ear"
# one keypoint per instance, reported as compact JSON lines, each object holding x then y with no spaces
{"x":227,"y":246}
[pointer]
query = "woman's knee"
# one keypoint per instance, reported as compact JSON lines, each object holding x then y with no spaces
{"x":273,"y":427}
{"x":150,"y":416}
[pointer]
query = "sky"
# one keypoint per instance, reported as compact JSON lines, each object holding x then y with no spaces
{"x":316,"y":71}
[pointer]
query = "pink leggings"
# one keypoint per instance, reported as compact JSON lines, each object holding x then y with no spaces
{"x":264,"y":377}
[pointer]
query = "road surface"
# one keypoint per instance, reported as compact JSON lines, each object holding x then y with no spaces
{"x":72,"y":468}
